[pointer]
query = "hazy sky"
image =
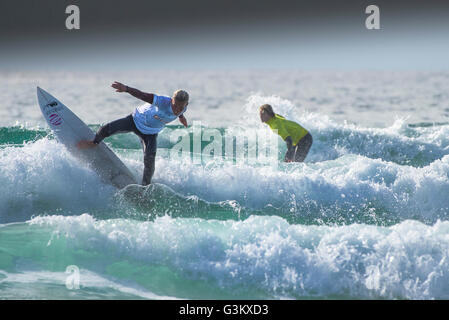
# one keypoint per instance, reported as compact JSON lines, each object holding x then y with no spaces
{"x":133,"y":34}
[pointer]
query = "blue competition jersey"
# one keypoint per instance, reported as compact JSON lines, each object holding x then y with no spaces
{"x":152,"y":118}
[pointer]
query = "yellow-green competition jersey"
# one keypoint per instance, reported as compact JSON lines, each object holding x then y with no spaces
{"x":287,"y":128}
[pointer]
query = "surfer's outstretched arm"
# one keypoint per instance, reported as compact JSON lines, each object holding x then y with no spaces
{"x":147,"y":97}
{"x":120,"y":87}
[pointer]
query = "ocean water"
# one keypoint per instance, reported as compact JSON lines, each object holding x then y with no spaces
{"x":365,"y":217}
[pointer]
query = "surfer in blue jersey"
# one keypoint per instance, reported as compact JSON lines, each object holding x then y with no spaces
{"x":146,"y":122}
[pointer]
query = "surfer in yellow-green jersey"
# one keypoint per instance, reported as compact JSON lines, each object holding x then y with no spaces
{"x":298,"y":139}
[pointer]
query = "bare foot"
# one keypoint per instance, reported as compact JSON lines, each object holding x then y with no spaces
{"x":85,"y":144}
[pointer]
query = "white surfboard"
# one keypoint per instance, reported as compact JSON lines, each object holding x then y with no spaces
{"x":69,"y":130}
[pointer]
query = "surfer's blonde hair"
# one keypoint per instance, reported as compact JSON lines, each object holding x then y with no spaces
{"x":181,"y":96}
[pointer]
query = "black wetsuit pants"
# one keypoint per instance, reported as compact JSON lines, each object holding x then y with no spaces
{"x":149,"y":142}
{"x":300,"y":151}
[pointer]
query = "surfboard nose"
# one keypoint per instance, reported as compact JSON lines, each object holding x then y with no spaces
{"x":40,"y":91}
{"x":42,"y":96}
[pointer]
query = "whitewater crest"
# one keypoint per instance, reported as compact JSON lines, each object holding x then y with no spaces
{"x":352,"y":175}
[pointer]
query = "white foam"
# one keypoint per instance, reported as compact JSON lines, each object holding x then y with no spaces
{"x":408,"y":260}
{"x":42,"y":177}
{"x":348,"y":182}
{"x":42,"y":174}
